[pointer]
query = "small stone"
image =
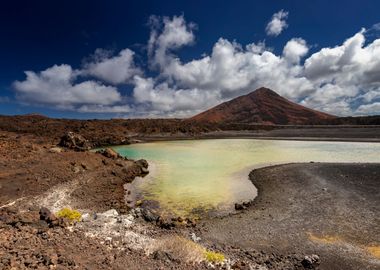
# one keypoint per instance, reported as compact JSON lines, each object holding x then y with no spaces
{"x":195,"y":238}
{"x":240,"y":206}
{"x":55,"y":150}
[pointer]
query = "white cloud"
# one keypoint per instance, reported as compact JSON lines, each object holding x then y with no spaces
{"x":375,"y":27}
{"x":54,"y":86}
{"x":295,"y":49}
{"x":350,"y":71}
{"x":105,"y":109}
{"x":373,"y":108}
{"x":161,"y":97}
{"x":277,"y":24}
{"x":115,"y":70}
{"x":168,"y":34}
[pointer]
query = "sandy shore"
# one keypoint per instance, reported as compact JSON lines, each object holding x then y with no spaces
{"x":328,"y":209}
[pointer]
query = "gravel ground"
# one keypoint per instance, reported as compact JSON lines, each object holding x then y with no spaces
{"x":332,"y":210}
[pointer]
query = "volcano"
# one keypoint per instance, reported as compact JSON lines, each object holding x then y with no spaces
{"x":262,"y":106}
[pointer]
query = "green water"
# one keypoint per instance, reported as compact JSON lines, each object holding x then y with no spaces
{"x":211,"y":175}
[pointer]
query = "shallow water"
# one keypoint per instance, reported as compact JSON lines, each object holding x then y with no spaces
{"x":193,"y":176}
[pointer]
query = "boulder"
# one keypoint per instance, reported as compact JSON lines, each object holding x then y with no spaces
{"x":47,"y":216}
{"x":148,"y":215}
{"x":109,"y":153}
{"x":311,"y":262}
{"x":142,"y":163}
{"x":74,"y":141}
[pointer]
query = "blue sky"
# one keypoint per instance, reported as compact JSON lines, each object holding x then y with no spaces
{"x":103,"y":59}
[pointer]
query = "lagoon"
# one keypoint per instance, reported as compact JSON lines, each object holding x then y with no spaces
{"x":194,"y":177}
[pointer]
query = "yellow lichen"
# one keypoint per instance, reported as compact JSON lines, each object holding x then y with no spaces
{"x":70,"y":214}
{"x":325,"y":239}
{"x":374,"y":251}
{"x":213,"y":257}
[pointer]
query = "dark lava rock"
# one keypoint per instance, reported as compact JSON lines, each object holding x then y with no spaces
{"x":311,"y":262}
{"x":166,"y":223}
{"x":47,"y":216}
{"x":163,"y":256}
{"x":74,"y":141}
{"x":243,"y":205}
{"x":142,"y":163}
{"x":148,"y":215}
{"x":239,"y":206}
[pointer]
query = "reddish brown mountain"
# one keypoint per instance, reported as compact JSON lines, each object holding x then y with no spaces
{"x":262,"y":106}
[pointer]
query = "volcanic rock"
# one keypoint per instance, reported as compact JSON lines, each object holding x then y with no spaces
{"x":74,"y":141}
{"x":143,"y":163}
{"x":110,"y":153}
{"x":310,"y":262}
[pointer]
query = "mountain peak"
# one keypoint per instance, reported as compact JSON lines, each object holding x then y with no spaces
{"x":262,"y":106}
{"x":263,"y":91}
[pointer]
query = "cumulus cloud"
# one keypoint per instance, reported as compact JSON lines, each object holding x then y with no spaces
{"x":161,"y":97}
{"x":54,"y":86}
{"x":277,"y":24}
{"x":105,"y":109}
{"x":166,"y":35}
{"x":346,"y":73}
{"x":295,"y":49}
{"x":369,"y":108}
{"x":112,"y":69}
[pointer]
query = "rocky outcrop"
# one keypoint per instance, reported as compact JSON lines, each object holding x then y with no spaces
{"x":74,"y":141}
{"x":143,"y":164}
{"x":42,"y":218}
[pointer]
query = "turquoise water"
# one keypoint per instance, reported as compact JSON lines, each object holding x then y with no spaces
{"x":192,"y":176}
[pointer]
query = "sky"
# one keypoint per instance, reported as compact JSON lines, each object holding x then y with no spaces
{"x":132,"y":59}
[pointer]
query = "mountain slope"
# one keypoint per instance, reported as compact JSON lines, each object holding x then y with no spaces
{"x":262,"y":106}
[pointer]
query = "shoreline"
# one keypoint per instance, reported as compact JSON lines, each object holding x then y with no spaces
{"x":307,"y":208}
{"x":144,"y":139}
